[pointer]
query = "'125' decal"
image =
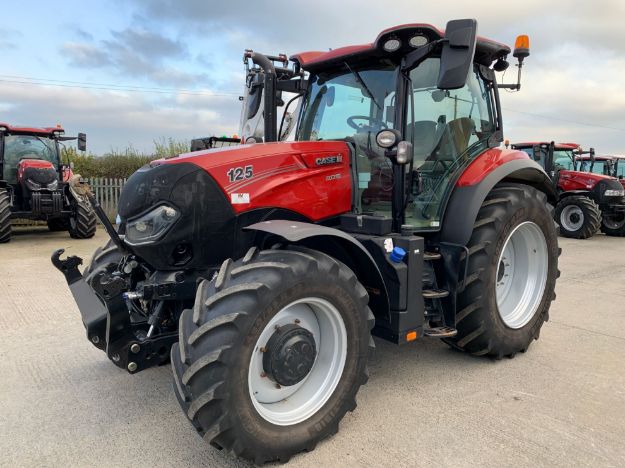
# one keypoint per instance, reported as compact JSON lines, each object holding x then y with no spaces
{"x":240,"y":173}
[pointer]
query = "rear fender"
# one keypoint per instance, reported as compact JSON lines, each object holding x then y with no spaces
{"x":340,"y":246}
{"x":467,"y":198}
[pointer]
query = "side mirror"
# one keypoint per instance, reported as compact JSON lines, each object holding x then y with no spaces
{"x":82,"y":142}
{"x":457,"y":54}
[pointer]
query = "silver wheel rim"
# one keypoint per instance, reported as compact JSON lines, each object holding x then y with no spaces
{"x":522,"y":274}
{"x":290,"y":405}
{"x":612,"y":224}
{"x":572,"y":218}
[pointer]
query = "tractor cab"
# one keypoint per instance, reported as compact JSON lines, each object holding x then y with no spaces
{"x":34,"y":179}
{"x":403,"y":88}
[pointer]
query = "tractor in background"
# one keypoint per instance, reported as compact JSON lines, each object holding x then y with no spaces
{"x":610,"y":165}
{"x":252,"y":118}
{"x":36,"y":185}
{"x":587,"y":201}
{"x":261,"y":274}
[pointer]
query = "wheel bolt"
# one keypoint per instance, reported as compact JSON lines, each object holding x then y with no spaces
{"x":297,"y":320}
{"x":263,"y":349}
{"x":135,"y":348}
{"x":263,"y":374}
{"x":132,"y":366}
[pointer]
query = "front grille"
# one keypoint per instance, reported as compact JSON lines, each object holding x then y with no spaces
{"x":48,"y":203}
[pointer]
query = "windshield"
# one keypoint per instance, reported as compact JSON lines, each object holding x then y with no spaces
{"x":18,"y":147}
{"x":563,"y":159}
{"x":605,"y":167}
{"x":353,"y":104}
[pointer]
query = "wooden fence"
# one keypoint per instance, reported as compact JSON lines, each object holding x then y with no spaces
{"x":106,"y":191}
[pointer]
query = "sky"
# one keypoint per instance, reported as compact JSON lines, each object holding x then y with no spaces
{"x":128,"y":72}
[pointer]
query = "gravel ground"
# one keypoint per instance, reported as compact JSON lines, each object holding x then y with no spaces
{"x":560,"y":404}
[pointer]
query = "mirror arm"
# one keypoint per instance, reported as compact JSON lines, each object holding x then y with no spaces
{"x":517,"y":85}
{"x":417,"y":56}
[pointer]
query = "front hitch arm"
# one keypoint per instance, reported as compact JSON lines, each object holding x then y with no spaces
{"x":92,"y":311}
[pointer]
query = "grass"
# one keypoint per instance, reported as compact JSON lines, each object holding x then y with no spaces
{"x":121,"y":163}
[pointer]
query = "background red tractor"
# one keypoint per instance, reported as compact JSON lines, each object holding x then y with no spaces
{"x":35,"y":184}
{"x":262,"y":273}
{"x":610,"y":165}
{"x":587,"y":201}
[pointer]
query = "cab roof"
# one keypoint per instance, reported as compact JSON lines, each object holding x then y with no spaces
{"x":486,"y":50}
{"x":48,"y":131}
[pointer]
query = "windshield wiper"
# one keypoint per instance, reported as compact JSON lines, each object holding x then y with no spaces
{"x":363,"y":84}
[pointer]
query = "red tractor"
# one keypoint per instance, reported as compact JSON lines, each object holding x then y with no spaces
{"x":258,"y":271}
{"x":35,"y":184}
{"x":613,"y":166}
{"x":587,"y":201}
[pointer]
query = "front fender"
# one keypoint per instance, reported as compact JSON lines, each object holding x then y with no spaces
{"x":469,"y":194}
{"x":337,"y":244}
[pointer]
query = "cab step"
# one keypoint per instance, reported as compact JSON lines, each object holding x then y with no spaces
{"x":435,"y":293}
{"x":431,"y":256}
{"x":440,"y":332}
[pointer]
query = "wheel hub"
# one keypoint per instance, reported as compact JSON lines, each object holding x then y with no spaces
{"x":289,"y":355}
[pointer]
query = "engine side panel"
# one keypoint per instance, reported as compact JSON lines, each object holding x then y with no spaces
{"x":309,"y":178}
{"x":574,"y":180}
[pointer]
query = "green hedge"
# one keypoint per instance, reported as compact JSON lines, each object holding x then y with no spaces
{"x":121,"y":164}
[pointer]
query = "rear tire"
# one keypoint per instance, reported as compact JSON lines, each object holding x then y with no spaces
{"x":5,"y":216}
{"x":579,"y":217}
{"x":82,"y":225}
{"x":493,"y":321}
{"x":217,"y":378}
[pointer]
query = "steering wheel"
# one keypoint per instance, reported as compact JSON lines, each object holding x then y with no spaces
{"x":372,"y":120}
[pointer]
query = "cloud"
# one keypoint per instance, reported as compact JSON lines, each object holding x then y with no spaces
{"x":136,"y":53}
{"x":115,"y":119}
{"x":8,"y":38}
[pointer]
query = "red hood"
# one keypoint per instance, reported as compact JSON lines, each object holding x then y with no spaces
{"x":32,"y":163}
{"x":575,"y":180}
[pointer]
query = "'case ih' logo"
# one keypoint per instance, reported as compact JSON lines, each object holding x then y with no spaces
{"x":329,"y":160}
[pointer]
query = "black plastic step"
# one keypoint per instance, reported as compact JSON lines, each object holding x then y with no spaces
{"x":435,"y":293}
{"x":431,"y":256}
{"x":440,"y":332}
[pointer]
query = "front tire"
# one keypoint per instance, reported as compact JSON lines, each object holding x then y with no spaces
{"x":512,"y":270}
{"x":82,"y":224}
{"x":613,"y":225}
{"x":579,"y":217}
{"x":5,"y":216}
{"x":257,"y":368}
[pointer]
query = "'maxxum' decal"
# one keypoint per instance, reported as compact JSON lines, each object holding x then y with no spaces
{"x":239,"y":198}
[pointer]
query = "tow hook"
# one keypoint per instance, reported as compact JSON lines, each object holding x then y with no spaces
{"x":69,"y":266}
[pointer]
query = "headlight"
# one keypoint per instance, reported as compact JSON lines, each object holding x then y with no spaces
{"x":53,"y":185}
{"x":614,"y":193}
{"x":150,"y":226}
{"x":32,"y":185}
